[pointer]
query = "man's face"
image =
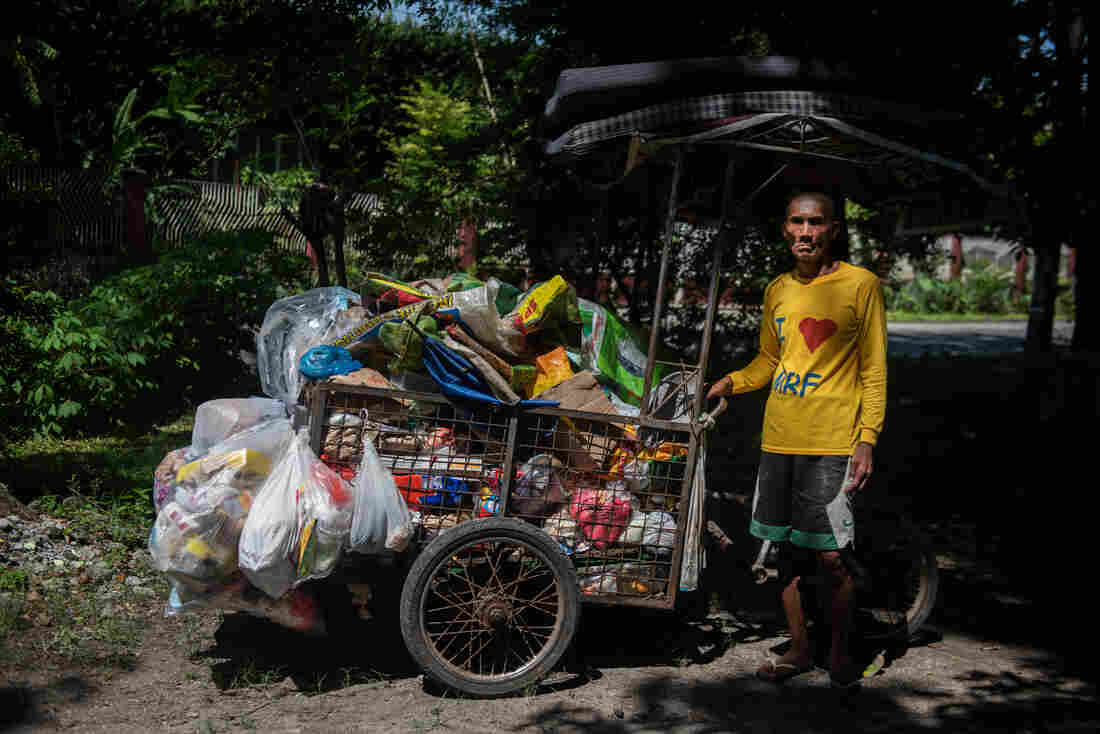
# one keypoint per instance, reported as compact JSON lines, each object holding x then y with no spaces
{"x":809,"y":229}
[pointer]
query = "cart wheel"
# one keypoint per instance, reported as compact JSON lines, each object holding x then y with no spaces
{"x":905,"y":578}
{"x":490,"y":606}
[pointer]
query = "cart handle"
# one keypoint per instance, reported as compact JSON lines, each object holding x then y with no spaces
{"x":708,"y":420}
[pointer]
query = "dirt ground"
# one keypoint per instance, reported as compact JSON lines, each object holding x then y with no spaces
{"x":1005,"y":650}
{"x":991,"y":660}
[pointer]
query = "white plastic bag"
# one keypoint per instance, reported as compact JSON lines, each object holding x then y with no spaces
{"x":382,"y":521}
{"x":298,"y":524}
{"x":656,"y":531}
{"x":217,"y":420}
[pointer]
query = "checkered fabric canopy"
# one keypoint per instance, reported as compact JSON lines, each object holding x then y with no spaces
{"x":848,"y":137}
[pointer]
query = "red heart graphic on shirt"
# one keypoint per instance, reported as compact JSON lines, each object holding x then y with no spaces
{"x":816,"y":332}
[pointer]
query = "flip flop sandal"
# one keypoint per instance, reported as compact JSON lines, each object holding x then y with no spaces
{"x":776,"y":672}
{"x":846,"y":684}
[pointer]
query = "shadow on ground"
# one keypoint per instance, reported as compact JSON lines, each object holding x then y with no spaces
{"x":23,"y":705}
{"x":990,"y":703}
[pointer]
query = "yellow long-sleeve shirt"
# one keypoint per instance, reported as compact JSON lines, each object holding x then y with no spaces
{"x":823,"y":353}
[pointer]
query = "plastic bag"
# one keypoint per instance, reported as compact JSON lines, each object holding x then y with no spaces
{"x":291,"y":326}
{"x":298,"y":523}
{"x":553,"y":369}
{"x":476,"y":308}
{"x":270,"y":438}
{"x":217,"y":420}
{"x":381,"y":521}
{"x":562,"y":527}
{"x":297,"y":610}
{"x":654,"y":531}
{"x":326,"y":361}
{"x":540,"y":487}
{"x":202,"y":507}
{"x":610,"y":351}
{"x":623,"y":578}
{"x":603,"y":513}
{"x":164,"y":477}
{"x":197,"y":545}
{"x":540,"y":304}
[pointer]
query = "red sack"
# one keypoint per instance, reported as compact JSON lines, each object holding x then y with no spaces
{"x":602,"y":515}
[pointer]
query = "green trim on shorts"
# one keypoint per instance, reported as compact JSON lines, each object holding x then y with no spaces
{"x":770,"y":532}
{"x":814,"y":541}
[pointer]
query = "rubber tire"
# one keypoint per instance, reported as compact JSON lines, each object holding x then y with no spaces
{"x":442,"y":548}
{"x":918,"y":614}
{"x":881,"y":522}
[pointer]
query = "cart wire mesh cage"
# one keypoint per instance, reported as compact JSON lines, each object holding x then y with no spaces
{"x":610,"y":490}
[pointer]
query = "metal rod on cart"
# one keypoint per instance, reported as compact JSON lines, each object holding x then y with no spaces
{"x":654,"y":334}
{"x":712,"y":293}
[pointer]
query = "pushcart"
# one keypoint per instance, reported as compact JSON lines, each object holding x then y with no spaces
{"x":525,"y":513}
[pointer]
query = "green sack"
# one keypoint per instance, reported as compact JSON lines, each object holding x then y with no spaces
{"x":507,"y":298}
{"x":462,"y":282}
{"x":611,"y":353}
{"x":405,"y":343}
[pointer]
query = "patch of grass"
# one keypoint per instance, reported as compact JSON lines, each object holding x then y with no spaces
{"x":79,"y":626}
{"x":434,"y":721}
{"x":913,"y":316}
{"x":251,"y":672}
{"x":13,"y":580}
{"x":104,"y":468}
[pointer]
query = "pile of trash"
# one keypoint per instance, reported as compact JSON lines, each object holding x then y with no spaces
{"x":248,"y":512}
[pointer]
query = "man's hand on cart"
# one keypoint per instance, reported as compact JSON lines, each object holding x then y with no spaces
{"x":720,"y":388}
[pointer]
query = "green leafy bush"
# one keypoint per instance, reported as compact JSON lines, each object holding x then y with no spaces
{"x":983,"y":288}
{"x":145,"y":343}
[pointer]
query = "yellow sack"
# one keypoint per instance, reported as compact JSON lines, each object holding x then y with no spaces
{"x":531,"y":311}
{"x":551,"y":369}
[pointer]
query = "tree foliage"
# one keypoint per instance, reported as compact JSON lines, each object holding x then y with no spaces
{"x":144,"y":343}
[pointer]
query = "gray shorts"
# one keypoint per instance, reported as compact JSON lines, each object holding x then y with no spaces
{"x":799,"y":498}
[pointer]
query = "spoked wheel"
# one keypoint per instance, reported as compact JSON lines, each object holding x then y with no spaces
{"x":904,"y":578}
{"x":490,"y":606}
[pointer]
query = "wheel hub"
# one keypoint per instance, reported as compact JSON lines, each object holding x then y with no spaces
{"x":494,"y":610}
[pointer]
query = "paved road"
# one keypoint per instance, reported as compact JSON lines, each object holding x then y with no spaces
{"x":985,"y":337}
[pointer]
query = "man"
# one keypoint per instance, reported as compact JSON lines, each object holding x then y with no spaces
{"x":823,"y":354}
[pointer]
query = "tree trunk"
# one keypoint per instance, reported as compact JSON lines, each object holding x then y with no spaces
{"x":1086,"y":305}
{"x":338,"y":231}
{"x":1040,"y":323}
{"x":318,"y":241}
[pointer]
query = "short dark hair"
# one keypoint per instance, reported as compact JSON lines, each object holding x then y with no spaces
{"x":826,"y":197}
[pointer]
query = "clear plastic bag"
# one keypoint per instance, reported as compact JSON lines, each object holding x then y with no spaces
{"x":291,"y":326}
{"x":382,"y":521}
{"x":297,"y":610}
{"x":298,"y":524}
{"x":540,"y":487}
{"x":196,"y":545}
{"x":202,"y":508}
{"x":164,"y":477}
{"x":217,"y":420}
{"x":270,"y":438}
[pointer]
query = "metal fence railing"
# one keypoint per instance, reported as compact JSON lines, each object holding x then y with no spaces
{"x":73,"y":210}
